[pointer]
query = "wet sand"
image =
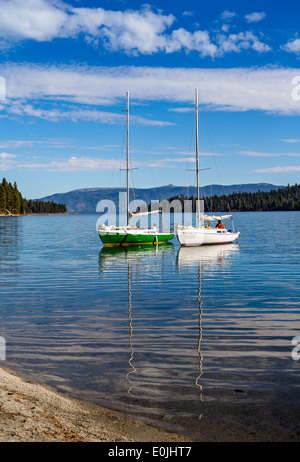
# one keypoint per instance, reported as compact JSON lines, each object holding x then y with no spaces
{"x":34,"y":412}
{"x":31,"y":412}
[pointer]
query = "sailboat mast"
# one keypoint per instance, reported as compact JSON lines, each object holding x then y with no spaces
{"x":197,"y":159}
{"x":127,"y":156}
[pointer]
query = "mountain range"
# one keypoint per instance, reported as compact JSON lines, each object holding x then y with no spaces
{"x":86,"y":200}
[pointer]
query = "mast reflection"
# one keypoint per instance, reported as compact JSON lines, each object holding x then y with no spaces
{"x":130,"y":326}
{"x":204,"y":257}
{"x":132,"y":256}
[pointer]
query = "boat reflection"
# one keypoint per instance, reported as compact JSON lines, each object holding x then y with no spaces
{"x":162,"y":323}
{"x":112,"y":255}
{"x":207,"y":255}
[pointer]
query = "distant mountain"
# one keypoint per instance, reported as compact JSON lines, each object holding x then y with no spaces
{"x":86,"y":200}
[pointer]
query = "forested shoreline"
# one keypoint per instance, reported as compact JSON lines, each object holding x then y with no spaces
{"x":282,"y":199}
{"x":12,"y":202}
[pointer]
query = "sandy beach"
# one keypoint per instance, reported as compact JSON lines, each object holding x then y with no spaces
{"x":31,"y":412}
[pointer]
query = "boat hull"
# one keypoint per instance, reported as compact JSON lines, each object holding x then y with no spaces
{"x":123,"y":237}
{"x":195,"y":237}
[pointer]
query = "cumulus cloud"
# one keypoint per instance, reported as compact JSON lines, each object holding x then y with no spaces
{"x":134,"y":32}
{"x":34,"y":19}
{"x":44,"y":20}
{"x":241,"y":41}
{"x":293,"y":46}
{"x":182,"y":39}
{"x":255,"y":17}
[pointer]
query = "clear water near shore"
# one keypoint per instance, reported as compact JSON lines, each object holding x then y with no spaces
{"x":185,"y":337}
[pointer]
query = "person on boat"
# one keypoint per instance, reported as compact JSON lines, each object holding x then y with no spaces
{"x":220,"y":225}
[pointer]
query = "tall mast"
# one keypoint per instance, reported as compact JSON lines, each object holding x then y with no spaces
{"x":127,"y":156}
{"x":197,"y":158}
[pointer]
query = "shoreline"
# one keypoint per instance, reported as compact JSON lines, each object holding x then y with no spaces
{"x":33,"y":412}
{"x":30,"y":214}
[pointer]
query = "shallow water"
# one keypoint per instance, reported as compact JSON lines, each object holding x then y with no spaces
{"x":183,"y":337}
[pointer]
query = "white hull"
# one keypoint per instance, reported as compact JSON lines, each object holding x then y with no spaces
{"x":194,"y":237}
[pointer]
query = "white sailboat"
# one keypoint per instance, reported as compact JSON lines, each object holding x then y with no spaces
{"x":204,"y":233}
{"x":131,"y":235}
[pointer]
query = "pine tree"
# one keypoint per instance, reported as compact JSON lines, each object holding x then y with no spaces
{"x":2,"y":198}
{"x":11,"y":200}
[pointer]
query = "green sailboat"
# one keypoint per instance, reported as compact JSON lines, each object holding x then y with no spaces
{"x":131,"y":235}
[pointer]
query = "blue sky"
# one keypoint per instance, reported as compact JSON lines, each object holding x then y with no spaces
{"x":66,"y":66}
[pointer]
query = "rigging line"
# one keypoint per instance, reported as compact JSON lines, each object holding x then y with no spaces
{"x":68,"y":239}
{"x":132,"y":150}
{"x":120,"y":149}
{"x":202,"y":187}
{"x":211,"y":145}
{"x":191,"y":150}
{"x":145,"y":151}
{"x":212,"y":150}
{"x":122,"y":153}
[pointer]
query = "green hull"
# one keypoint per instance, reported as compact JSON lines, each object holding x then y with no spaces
{"x":116,"y":239}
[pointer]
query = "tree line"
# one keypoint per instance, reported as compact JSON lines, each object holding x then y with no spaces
{"x":11,"y":201}
{"x":282,"y":199}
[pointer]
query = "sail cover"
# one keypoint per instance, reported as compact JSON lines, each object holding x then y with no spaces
{"x":214,"y":217}
{"x":143,"y":214}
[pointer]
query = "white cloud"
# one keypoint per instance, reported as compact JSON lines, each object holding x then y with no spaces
{"x":188,"y":13}
{"x":74,"y":114}
{"x":58,"y":93}
{"x":79,"y":164}
{"x":6,"y":156}
{"x":70,"y":164}
{"x":241,"y":41}
{"x":279,"y":169}
{"x":53,"y":143}
{"x":131,"y":31}
{"x":292,"y":140}
{"x":197,"y":41}
{"x":134,"y":32}
{"x":255,"y":17}
{"x":7,"y":161}
{"x":293,"y":46}
{"x":228,"y":15}
{"x":34,"y":19}
{"x":269,"y":154}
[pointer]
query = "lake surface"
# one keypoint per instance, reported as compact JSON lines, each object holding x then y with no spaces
{"x":183,"y":338}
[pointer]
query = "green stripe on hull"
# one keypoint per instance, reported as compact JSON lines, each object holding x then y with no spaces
{"x":112,"y":239}
{"x":134,"y":239}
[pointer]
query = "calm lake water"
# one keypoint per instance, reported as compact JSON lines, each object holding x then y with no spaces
{"x":185,"y":338}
